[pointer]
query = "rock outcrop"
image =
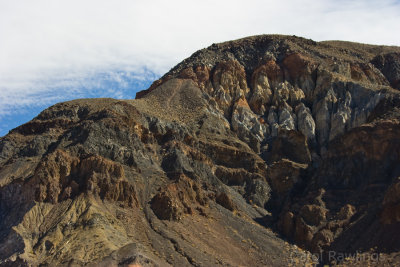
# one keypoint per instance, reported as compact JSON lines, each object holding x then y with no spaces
{"x":244,"y":138}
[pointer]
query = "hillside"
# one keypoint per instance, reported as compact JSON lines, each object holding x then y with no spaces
{"x":253,"y":152}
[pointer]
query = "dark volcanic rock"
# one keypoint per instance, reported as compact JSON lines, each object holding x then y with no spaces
{"x":266,"y":132}
{"x":389,"y":65}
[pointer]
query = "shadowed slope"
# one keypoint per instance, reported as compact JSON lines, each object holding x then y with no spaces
{"x":241,"y":146}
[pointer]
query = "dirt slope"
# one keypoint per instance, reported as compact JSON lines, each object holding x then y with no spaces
{"x":254,"y":152}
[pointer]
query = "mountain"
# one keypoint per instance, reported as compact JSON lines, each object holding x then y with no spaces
{"x":254,"y":152}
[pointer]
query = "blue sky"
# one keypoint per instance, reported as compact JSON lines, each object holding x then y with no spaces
{"x":114,"y":83}
{"x":52,"y":51}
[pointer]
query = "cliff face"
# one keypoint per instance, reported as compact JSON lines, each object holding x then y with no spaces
{"x":241,"y":146}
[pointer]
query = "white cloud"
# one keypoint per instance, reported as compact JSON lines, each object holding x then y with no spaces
{"x":50,"y":49}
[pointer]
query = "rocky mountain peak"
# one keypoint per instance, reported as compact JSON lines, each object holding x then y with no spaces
{"x":239,"y":149}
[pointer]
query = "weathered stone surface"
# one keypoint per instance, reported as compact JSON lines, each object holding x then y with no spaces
{"x":246,"y":124}
{"x":287,"y":119}
{"x":286,"y":224}
{"x":291,"y":145}
{"x":340,"y":118}
{"x":346,"y":212}
{"x":303,"y":233}
{"x":389,"y":65}
{"x":258,"y":192}
{"x":322,"y":113}
{"x":177,"y":199}
{"x":261,"y":93}
{"x":305,"y":122}
{"x":229,"y":82}
{"x":284,"y":174}
{"x":225,"y":201}
{"x":391,"y":204}
{"x":313,"y":214}
{"x":266,"y":132}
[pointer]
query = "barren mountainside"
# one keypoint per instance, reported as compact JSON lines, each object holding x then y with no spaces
{"x":265,"y":151}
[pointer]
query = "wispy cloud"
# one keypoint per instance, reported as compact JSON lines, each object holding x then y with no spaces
{"x":116,"y":84}
{"x":20,"y":105}
{"x":53,"y":50}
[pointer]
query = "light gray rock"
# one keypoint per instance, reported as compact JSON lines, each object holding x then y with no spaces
{"x":341,"y":117}
{"x":322,"y":114}
{"x":338,"y":124}
{"x":245,"y":122}
{"x":305,"y":121}
{"x":281,"y":93}
{"x":287,"y":119}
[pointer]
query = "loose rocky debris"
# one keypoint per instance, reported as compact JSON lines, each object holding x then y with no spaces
{"x":265,"y":151}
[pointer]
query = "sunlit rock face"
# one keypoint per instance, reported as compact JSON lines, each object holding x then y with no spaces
{"x":262,"y":134}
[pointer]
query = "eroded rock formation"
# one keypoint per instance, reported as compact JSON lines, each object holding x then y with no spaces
{"x":238,"y":148}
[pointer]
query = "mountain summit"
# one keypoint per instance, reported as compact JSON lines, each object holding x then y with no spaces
{"x":254,"y":152}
